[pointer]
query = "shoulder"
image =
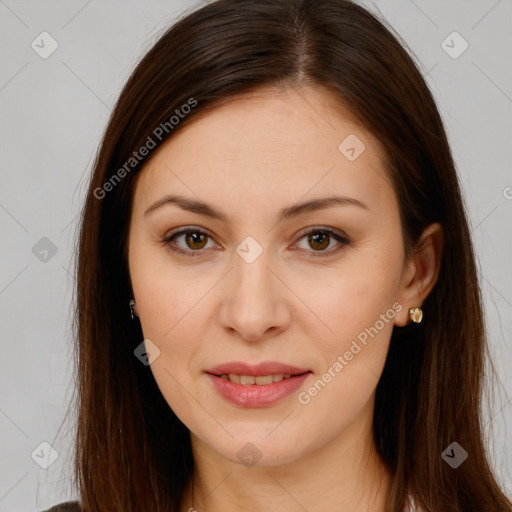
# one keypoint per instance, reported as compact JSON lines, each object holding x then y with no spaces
{"x":68,"y":506}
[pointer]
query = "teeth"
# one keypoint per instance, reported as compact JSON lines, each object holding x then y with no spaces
{"x":246,"y":379}
{"x":260,"y":380}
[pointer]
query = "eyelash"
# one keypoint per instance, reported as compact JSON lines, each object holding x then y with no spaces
{"x":323,"y":253}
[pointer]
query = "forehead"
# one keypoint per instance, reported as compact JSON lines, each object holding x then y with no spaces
{"x":269,"y":144}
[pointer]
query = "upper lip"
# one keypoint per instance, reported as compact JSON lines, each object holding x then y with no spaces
{"x":264,"y":368}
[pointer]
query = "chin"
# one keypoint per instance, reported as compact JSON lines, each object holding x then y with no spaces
{"x":255,"y":450}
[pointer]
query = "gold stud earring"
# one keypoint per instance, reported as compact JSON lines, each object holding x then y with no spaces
{"x":132,"y":303}
{"x":415,"y":314}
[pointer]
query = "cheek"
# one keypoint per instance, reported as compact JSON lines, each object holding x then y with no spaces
{"x":360,"y":310}
{"x":165,"y":292}
{"x":162,"y":300}
{"x":357,"y":307}
{"x":172,"y":313}
{"x":352,"y":297}
{"x":171,"y":303}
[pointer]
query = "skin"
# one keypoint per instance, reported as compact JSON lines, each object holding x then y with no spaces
{"x":249,"y":158}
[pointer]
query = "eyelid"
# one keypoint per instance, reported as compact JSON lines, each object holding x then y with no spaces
{"x":314,"y":228}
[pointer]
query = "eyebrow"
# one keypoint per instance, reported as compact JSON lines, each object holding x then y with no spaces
{"x":207,"y":210}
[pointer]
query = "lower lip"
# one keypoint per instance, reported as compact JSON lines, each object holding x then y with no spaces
{"x":253,"y":395}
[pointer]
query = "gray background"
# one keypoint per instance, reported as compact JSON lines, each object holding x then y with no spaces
{"x":53,"y":112}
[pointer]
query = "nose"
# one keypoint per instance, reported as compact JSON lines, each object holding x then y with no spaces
{"x":254,"y":300}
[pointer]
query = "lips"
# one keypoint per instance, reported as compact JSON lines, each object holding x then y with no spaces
{"x":234,"y":382}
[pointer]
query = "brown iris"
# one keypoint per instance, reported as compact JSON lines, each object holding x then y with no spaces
{"x":195,"y":238}
{"x":321,"y":240}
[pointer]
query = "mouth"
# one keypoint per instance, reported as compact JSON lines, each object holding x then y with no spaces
{"x":259,"y":380}
{"x":256,"y":386}
{"x":260,"y":374}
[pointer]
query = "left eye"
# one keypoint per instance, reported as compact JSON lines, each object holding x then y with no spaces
{"x":319,"y":240}
{"x":196,"y":239}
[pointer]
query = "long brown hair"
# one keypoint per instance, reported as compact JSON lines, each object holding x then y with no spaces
{"x":132,"y":453}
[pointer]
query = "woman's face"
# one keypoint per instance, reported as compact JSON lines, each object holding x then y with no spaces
{"x":260,"y":278}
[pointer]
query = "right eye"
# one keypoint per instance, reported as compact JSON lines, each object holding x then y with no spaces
{"x":194,"y":239}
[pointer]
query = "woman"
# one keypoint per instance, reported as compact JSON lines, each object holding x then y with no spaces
{"x":278,"y":305}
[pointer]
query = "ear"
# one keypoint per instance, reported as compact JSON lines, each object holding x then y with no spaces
{"x":421,"y":272}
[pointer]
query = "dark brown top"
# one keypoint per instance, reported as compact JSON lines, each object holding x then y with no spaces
{"x":68,"y":506}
